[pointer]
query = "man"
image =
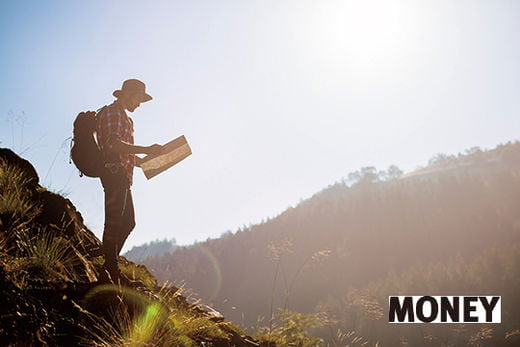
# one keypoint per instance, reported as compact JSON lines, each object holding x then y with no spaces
{"x":115,"y":134}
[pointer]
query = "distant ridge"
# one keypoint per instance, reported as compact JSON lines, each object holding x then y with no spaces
{"x":342,"y":250}
{"x":151,"y":249}
{"x":475,"y":159}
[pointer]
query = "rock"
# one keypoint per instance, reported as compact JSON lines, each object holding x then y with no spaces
{"x":61,"y":213}
{"x":13,"y":159}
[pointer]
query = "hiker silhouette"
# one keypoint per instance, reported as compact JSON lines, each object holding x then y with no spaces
{"x":115,"y":135}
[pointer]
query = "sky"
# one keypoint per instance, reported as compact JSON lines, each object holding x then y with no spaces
{"x":278,"y":99}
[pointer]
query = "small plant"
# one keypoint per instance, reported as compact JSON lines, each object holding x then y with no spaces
{"x":16,"y":205}
{"x":294,"y":329}
{"x":277,"y":253}
{"x":48,"y":256}
{"x":122,"y":328}
{"x":135,"y":319}
{"x":349,"y":339}
{"x":137,"y":272}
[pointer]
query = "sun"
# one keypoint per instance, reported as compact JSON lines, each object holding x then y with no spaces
{"x":365,"y":37}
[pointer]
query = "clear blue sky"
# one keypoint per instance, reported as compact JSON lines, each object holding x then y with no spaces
{"x":278,"y":99}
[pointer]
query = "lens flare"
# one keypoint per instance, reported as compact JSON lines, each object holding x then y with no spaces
{"x":216,"y":270}
{"x":150,"y":316}
{"x":149,"y":322}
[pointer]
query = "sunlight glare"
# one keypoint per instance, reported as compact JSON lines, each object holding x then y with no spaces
{"x":367,"y":37}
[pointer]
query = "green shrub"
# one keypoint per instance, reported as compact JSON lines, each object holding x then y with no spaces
{"x":294,"y":329}
{"x":48,"y":256}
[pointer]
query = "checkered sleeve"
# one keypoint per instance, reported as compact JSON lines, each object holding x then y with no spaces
{"x":112,"y":128}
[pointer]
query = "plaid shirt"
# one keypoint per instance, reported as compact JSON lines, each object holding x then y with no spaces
{"x":113,"y":126}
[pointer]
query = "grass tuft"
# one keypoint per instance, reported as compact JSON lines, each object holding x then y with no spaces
{"x":136,"y":319}
{"x":16,"y":201}
{"x":47,"y":256}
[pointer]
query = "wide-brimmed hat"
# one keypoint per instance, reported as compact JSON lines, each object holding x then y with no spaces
{"x":133,"y":86}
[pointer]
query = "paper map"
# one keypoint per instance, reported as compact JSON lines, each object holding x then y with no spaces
{"x":174,"y":152}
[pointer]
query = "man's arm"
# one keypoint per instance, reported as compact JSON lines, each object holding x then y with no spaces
{"x":111,"y":125}
{"x":121,"y":147}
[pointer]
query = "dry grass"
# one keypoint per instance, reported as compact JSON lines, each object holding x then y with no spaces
{"x":15,"y":200}
{"x":164,"y":320}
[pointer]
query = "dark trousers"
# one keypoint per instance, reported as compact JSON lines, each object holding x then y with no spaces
{"x":119,"y":218}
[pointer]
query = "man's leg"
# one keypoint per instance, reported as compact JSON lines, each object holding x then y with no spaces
{"x":114,"y":235}
{"x":128,"y":223}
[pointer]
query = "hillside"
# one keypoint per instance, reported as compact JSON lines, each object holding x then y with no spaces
{"x":450,"y":228}
{"x":50,"y":294}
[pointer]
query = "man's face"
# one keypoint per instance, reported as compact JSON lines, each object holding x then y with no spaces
{"x":133,"y":102}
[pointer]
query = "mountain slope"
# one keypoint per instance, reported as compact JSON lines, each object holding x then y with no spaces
{"x":49,"y":290}
{"x":348,"y":236}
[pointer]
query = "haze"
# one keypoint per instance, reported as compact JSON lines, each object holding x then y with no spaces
{"x":278,"y":99}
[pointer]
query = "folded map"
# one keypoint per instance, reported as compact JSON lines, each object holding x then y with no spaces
{"x":174,"y":152}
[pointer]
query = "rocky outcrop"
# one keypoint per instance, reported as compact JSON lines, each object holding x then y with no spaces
{"x":26,"y":167}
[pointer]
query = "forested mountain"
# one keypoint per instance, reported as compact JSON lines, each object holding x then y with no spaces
{"x":153,"y":248}
{"x":451,"y":228}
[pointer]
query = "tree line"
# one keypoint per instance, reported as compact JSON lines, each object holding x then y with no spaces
{"x":371,"y":235}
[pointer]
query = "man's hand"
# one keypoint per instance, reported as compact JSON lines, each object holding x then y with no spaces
{"x":154,"y":149}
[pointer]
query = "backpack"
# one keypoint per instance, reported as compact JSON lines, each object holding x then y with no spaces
{"x":85,"y":152}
